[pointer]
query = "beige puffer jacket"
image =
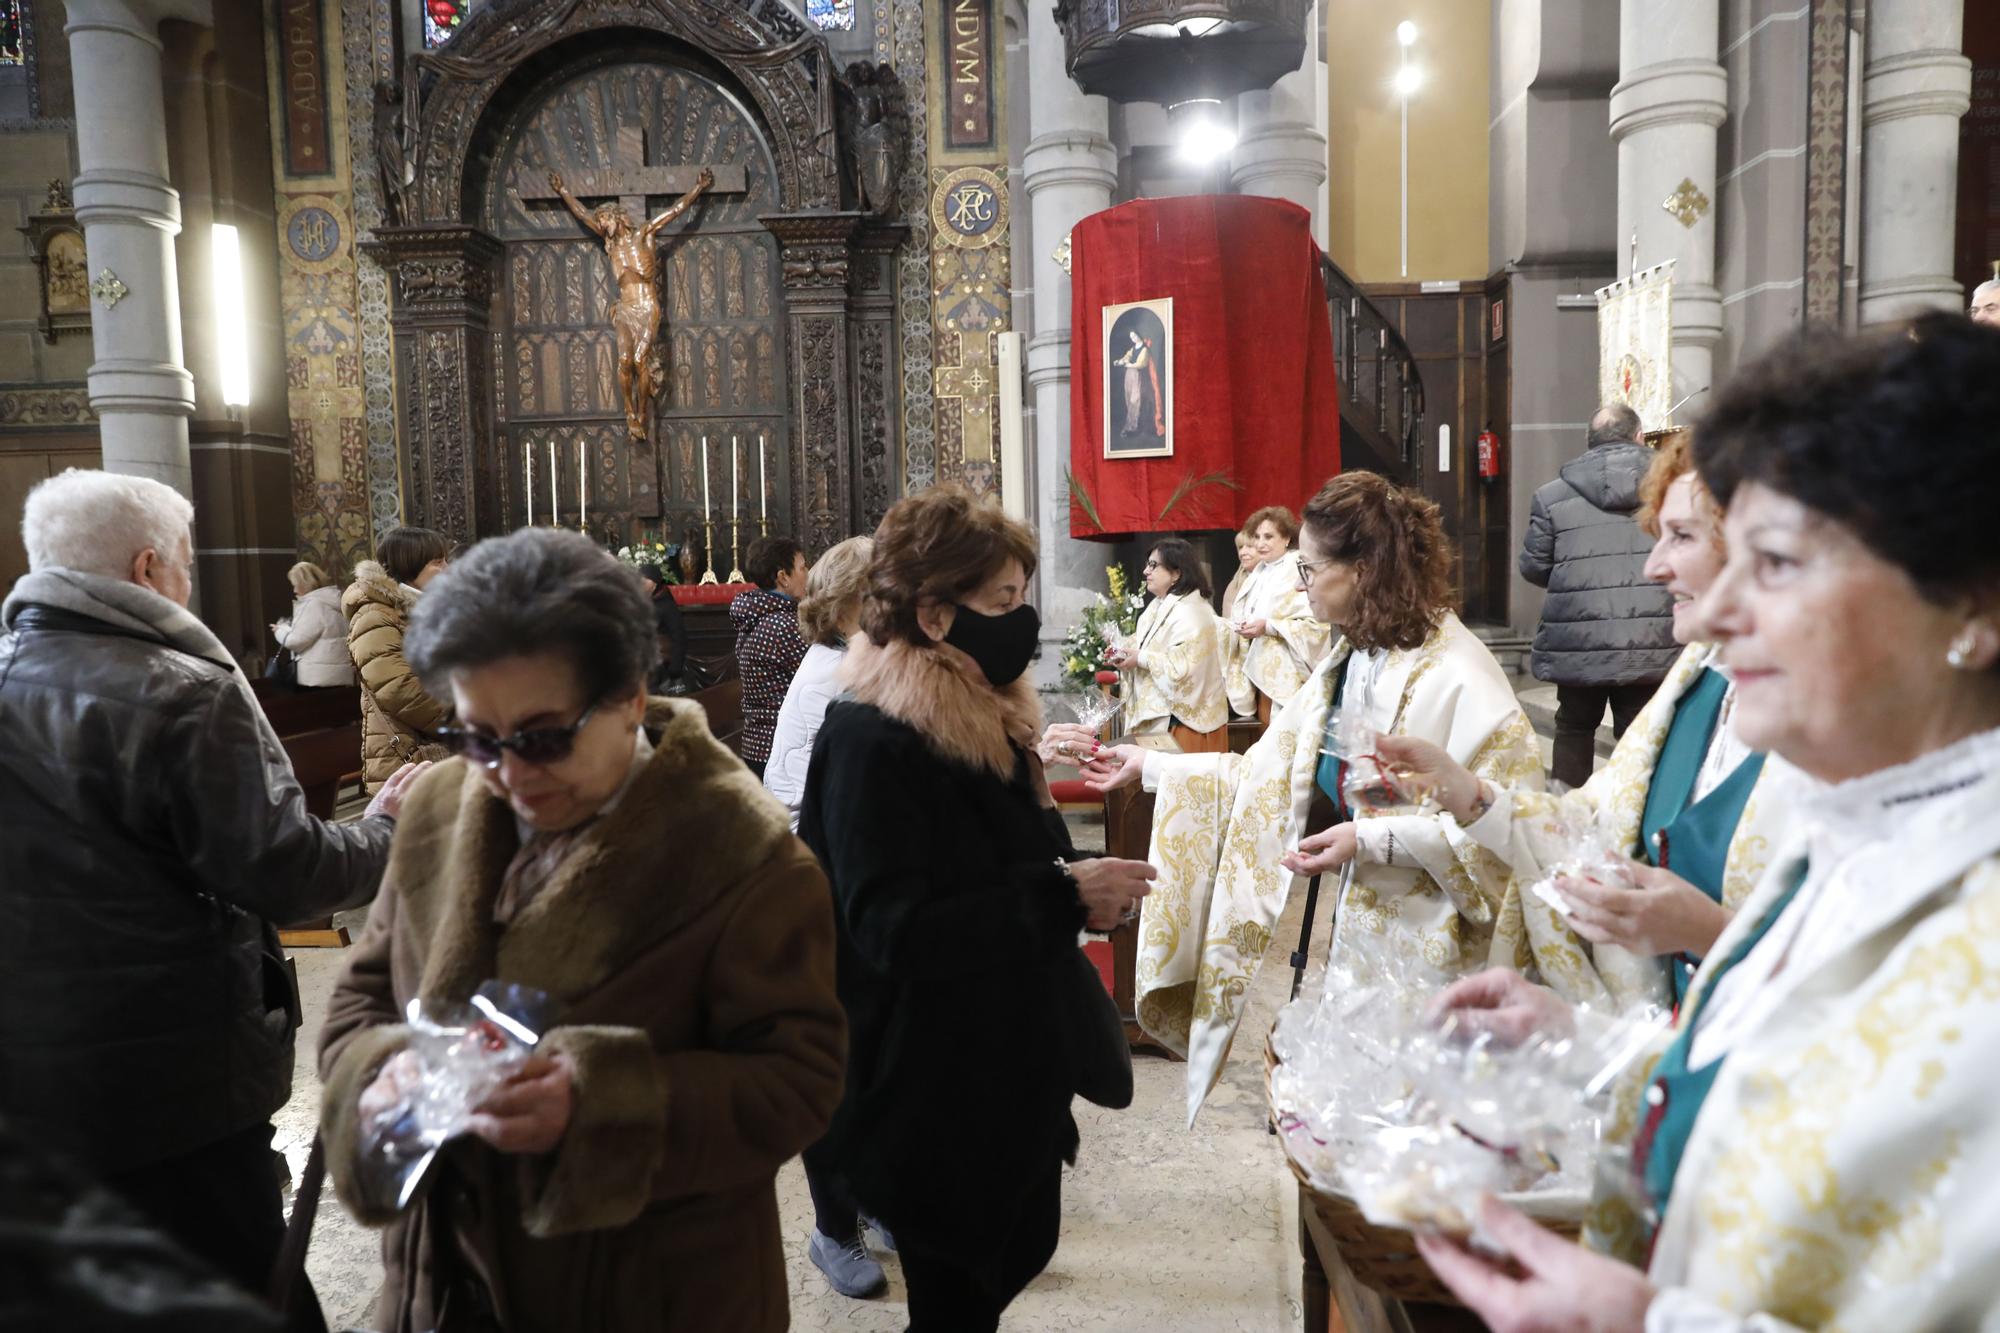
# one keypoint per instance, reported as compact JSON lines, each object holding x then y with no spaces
{"x":397,"y":717}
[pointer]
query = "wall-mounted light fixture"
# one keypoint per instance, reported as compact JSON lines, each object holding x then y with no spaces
{"x":232,"y":343}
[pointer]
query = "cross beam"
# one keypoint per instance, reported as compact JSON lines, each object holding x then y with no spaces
{"x":629,"y":180}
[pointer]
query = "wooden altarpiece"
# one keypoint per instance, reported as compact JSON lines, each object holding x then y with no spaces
{"x":777,"y":288}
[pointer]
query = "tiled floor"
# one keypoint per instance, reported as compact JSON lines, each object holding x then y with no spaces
{"x":1163,"y":1229}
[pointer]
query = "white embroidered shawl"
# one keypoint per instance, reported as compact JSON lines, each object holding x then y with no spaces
{"x":1295,"y":642}
{"x":1221,"y":822}
{"x":1179,"y":672}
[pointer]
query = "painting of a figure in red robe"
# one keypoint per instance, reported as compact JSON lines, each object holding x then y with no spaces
{"x":1139,"y":379}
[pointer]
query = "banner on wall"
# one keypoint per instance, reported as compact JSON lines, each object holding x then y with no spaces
{"x":1202,"y":380}
{"x":1635,"y":335}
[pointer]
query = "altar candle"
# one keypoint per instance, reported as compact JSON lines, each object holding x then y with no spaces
{"x":554,"y":489}
{"x":704,"y":479}
{"x":763,"y":494}
{"x":735,"y":490}
{"x":582,"y":491}
{"x":528,"y":470}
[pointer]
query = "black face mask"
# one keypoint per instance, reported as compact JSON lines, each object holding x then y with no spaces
{"x":1002,"y":645}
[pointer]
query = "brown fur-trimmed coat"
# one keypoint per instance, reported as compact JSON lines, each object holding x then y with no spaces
{"x":689,"y":937}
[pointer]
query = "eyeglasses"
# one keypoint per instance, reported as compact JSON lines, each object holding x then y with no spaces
{"x":1152,"y":565}
{"x":537,"y":745}
{"x":1309,"y":569}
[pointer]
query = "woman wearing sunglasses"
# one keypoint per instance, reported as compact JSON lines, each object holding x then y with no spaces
{"x":604,"y":848}
{"x":1226,"y":828}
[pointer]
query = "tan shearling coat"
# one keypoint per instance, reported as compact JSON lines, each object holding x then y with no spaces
{"x":396,"y":713}
{"x":689,"y":939}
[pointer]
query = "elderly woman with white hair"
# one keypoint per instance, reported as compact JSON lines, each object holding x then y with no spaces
{"x":316,"y":635}
{"x":829,"y":615}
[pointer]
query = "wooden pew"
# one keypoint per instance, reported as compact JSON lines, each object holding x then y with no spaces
{"x":321,"y":733}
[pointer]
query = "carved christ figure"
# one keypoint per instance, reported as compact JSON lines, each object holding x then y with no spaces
{"x":635,"y":315}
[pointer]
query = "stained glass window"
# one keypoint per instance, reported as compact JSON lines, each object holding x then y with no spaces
{"x":441,"y":20}
{"x":827,"y":15}
{"x":13,"y":34}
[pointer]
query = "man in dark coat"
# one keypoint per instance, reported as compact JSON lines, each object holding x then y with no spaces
{"x":154,"y":835}
{"x":769,"y":646}
{"x":1607,"y":631}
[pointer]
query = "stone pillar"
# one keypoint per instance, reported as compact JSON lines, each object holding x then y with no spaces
{"x":1281,"y":136}
{"x":1915,"y":87}
{"x":815,"y":259}
{"x":1069,"y":171}
{"x":139,"y":386}
{"x":444,"y":273}
{"x":1671,"y":97}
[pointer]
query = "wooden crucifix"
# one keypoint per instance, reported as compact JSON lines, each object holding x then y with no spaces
{"x":629,"y":245}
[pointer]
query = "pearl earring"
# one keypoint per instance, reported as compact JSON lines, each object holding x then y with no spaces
{"x":1959,"y":654}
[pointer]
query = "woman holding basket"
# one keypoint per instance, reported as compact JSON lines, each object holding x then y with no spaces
{"x":1226,"y":828}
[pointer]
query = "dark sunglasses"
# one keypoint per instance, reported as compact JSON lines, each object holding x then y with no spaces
{"x":536,"y":745}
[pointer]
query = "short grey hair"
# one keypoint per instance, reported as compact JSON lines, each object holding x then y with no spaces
{"x":99,"y":522}
{"x":1613,"y":423}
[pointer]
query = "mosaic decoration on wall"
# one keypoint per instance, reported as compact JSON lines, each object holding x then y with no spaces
{"x":369,"y":45}
{"x":965,"y":191}
{"x":319,"y":300}
{"x":913,"y":263}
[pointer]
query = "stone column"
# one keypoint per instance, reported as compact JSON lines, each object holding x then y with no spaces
{"x":1671,"y":97}
{"x":815,"y":259}
{"x":1281,"y":136}
{"x":1915,"y":87}
{"x":1069,"y":171}
{"x":139,"y":386}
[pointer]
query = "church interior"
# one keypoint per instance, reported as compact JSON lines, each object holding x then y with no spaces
{"x":717,"y":283}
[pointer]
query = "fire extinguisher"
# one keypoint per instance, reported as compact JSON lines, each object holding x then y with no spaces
{"x":1489,"y":454}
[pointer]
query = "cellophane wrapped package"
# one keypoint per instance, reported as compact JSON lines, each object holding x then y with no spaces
{"x":1415,"y":1118}
{"x":463,"y":1053}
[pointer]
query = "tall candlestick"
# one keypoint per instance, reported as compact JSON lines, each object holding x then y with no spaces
{"x":707,"y":519}
{"x":763,"y":492}
{"x":528,"y":471}
{"x":735,"y":515}
{"x":582,"y":489}
{"x":554,"y":488}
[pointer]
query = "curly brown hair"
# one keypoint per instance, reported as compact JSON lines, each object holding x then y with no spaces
{"x":1395,"y":539}
{"x":937,"y":545}
{"x":1673,"y":460}
{"x":1279,"y":516}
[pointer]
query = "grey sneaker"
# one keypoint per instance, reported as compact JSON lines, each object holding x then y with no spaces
{"x":883,"y":1240}
{"x":849,"y":1269}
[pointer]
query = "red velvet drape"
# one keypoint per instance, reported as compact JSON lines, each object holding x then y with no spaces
{"x":1252,"y":358}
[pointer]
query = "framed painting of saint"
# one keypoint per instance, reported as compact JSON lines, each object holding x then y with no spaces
{"x":1139,"y":379}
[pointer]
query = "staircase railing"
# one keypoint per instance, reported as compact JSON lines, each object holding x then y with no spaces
{"x":1381,"y":390}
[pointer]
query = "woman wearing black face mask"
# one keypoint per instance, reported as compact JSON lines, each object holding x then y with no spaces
{"x":959,"y":899}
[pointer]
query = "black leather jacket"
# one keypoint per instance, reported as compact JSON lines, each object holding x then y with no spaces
{"x":151,"y":833}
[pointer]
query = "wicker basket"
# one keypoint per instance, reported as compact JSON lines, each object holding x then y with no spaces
{"x":1382,"y":1258}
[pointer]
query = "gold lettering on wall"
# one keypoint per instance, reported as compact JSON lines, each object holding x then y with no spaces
{"x":968,"y":110}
